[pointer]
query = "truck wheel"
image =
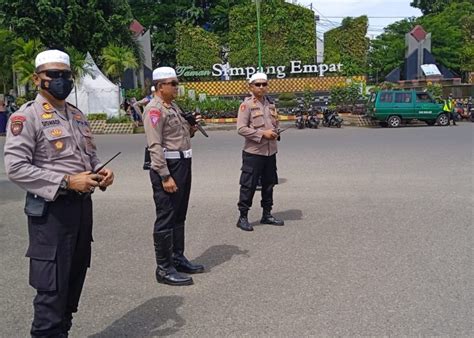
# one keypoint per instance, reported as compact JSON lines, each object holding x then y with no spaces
{"x":394,"y":121}
{"x":442,"y":120}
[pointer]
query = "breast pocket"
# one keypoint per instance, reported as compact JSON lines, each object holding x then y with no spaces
{"x":174,"y":122}
{"x":257,"y":119}
{"x":59,"y":142}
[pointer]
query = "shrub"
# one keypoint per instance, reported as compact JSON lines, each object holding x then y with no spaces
{"x":119,"y":119}
{"x":97,"y":116}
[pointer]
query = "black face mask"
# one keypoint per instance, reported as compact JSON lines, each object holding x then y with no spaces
{"x":60,"y":88}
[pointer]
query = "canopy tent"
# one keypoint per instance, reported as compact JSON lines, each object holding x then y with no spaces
{"x":95,"y":93}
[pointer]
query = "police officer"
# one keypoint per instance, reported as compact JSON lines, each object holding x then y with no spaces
{"x":50,"y":152}
{"x":169,"y":142}
{"x":257,"y":122}
{"x":449,"y":109}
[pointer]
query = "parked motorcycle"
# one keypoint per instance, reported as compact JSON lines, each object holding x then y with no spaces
{"x":332,"y":119}
{"x":312,"y":121}
{"x":300,"y":118}
{"x":471,"y":113}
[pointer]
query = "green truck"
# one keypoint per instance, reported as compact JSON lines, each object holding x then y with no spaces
{"x":393,"y":107}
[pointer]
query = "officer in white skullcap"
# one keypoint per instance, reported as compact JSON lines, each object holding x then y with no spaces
{"x":257,"y":122}
{"x":50,"y":152}
{"x":169,"y":142}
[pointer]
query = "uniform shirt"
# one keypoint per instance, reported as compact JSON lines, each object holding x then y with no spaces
{"x":43,"y":145}
{"x":165,"y":128}
{"x":254,"y":118}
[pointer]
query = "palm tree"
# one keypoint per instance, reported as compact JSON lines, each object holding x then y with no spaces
{"x":24,"y":59}
{"x":116,"y":60}
{"x":80,"y":66}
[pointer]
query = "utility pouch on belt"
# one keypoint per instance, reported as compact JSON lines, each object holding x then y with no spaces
{"x":35,"y":205}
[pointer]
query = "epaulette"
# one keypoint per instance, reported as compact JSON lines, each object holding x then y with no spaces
{"x":24,"y":106}
{"x":70,"y":104}
{"x":269,"y":99}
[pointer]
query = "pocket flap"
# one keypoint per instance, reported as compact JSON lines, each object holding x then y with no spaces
{"x":247,"y":169}
{"x":257,"y":114}
{"x":42,"y":252}
{"x":55,"y":133}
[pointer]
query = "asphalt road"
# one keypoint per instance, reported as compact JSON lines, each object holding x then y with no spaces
{"x":377,"y":241}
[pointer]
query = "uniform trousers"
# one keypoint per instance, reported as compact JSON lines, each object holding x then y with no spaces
{"x":254,"y":167}
{"x":60,"y":253}
{"x":171,"y":208}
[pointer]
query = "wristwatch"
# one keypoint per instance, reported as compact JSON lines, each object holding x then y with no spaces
{"x":64,"y":184}
{"x":165,"y":178}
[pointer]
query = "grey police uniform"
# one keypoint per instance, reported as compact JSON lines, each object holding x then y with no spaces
{"x":43,"y":145}
{"x":169,"y":142}
{"x":259,"y":154}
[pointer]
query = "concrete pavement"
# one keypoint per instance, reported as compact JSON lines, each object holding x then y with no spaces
{"x":377,"y":241}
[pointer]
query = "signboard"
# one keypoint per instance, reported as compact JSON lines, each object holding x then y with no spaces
{"x":430,"y":70}
{"x":223,"y":71}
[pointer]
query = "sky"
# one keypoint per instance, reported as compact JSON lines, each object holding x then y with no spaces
{"x":391,"y":10}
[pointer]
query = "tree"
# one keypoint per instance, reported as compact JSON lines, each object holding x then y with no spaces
{"x":452,"y":33}
{"x":116,"y":60}
{"x":6,"y":51}
{"x":387,"y":51}
{"x":24,"y":59}
{"x":89,"y":26}
{"x":432,"y":6}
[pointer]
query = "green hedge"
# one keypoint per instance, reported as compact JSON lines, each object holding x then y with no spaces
{"x":287,"y":34}
{"x":96,"y":116}
{"x":212,"y":107}
{"x":196,"y":47}
{"x":348,"y":45}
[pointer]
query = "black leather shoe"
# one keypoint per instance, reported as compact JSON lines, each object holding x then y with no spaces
{"x":243,"y":223}
{"x":172,"y":277}
{"x":269,"y":219}
{"x":182,"y":264}
{"x":147,"y":166}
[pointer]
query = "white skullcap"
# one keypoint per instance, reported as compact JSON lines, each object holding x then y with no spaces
{"x":152,"y":88}
{"x":258,"y":76}
{"x":162,"y":73}
{"x":52,"y":55}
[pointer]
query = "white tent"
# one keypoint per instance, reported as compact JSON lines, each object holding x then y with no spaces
{"x":95,"y":93}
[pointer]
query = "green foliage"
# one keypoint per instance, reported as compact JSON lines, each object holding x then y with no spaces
{"x":432,"y":6}
{"x":287,"y":100}
{"x":387,"y":51}
{"x":136,"y":93}
{"x":287,"y":34}
{"x":435,"y":89}
{"x":6,"y":51}
{"x":348,"y":45}
{"x":196,"y":47}
{"x":97,"y":116}
{"x":119,"y":119}
{"x":89,"y":26}
{"x":212,"y":107}
{"x":116,"y":60}
{"x":345,"y":95}
{"x":452,"y":33}
{"x":24,"y":59}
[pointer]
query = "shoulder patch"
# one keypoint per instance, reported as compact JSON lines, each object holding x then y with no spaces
{"x":16,"y":124}
{"x":155,"y":115}
{"x":243,"y":107}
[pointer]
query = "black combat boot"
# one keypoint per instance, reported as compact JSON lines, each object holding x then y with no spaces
{"x":180,"y":262}
{"x":147,"y":160}
{"x":267,"y":218}
{"x":165,"y":271}
{"x":243,"y":222}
